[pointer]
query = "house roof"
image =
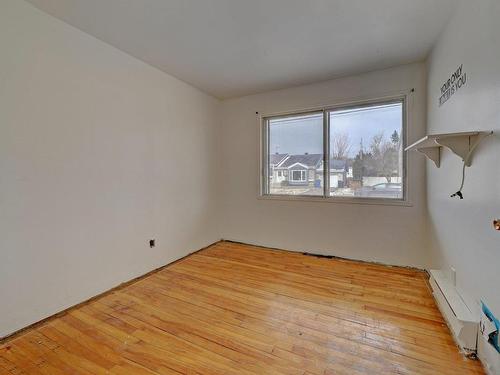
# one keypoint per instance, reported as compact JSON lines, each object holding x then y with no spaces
{"x":308,"y":160}
{"x":275,"y":159}
{"x":298,"y":166}
{"x":338,"y":164}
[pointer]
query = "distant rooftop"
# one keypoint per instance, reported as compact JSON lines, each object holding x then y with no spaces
{"x":338,"y":164}
{"x":309,"y":160}
{"x":275,"y":159}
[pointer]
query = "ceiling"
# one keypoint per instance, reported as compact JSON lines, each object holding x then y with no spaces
{"x":231,"y":48}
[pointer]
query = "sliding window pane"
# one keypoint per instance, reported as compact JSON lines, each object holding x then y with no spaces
{"x":366,"y":152}
{"x":295,"y":159}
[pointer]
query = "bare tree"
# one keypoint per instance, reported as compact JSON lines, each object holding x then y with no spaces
{"x":341,"y":145}
{"x":376,"y":144}
{"x":385,"y":155}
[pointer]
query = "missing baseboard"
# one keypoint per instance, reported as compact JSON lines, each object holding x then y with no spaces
{"x":420,"y":269}
{"x":319,"y":255}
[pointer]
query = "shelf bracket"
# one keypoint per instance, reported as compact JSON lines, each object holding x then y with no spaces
{"x":433,"y":153}
{"x":463,"y":146}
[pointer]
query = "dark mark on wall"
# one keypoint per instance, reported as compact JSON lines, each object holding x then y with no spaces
{"x":452,"y":85}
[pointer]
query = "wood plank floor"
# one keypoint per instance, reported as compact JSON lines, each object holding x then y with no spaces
{"x":238,"y":309}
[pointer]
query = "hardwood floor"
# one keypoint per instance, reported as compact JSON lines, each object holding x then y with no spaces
{"x":238,"y":309}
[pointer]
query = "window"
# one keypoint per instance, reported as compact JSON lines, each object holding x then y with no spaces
{"x":295,"y":147}
{"x":364,"y":146}
{"x":299,"y":176}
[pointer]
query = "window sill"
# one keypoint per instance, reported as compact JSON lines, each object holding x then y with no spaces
{"x":341,"y":200}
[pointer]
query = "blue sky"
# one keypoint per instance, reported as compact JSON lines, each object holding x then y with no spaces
{"x":301,"y":134}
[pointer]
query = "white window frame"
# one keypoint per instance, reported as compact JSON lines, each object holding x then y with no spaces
{"x":302,"y":174}
{"x":264,"y":152}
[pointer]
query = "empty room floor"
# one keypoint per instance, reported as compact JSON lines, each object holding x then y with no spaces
{"x":240,"y":309}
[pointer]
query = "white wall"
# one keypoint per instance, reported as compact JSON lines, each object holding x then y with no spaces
{"x":462,"y":231}
{"x":98,"y":153}
{"x":389,"y":234}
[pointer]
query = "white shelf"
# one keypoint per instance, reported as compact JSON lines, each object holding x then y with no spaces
{"x":461,"y":144}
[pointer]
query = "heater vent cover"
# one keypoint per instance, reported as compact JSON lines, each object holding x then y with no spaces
{"x":462,"y":319}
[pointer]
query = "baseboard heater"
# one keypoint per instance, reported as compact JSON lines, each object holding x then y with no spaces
{"x":462,"y":319}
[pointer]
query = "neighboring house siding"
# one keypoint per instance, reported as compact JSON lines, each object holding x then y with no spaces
{"x":304,"y":162}
{"x":311,"y":174}
{"x":274,"y":161}
{"x":283,"y":165}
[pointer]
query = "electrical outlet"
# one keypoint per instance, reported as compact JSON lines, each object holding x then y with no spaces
{"x":453,"y":276}
{"x":496,"y":224}
{"x":152,"y":243}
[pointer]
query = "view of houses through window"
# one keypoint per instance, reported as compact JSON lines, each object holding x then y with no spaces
{"x":365,"y":153}
{"x":296,"y":155}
